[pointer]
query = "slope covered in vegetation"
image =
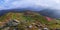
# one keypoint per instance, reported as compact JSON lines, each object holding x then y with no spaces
{"x":27,"y":19}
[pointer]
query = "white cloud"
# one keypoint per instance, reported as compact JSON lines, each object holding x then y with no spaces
{"x":57,"y":1}
{"x":53,"y":4}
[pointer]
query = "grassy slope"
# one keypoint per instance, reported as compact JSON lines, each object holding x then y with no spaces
{"x":21,"y":17}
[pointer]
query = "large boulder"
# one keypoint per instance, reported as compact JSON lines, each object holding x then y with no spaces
{"x":13,"y":23}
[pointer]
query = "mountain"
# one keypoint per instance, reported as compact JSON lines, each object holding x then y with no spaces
{"x":46,"y":12}
{"x":2,"y":12}
{"x":18,"y":14}
{"x":26,"y":19}
{"x":50,"y":13}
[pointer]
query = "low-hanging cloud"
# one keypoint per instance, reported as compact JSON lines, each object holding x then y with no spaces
{"x":34,"y":4}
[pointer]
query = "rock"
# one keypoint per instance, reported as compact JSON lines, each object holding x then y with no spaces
{"x":45,"y":28}
{"x":2,"y":24}
{"x":39,"y":29}
{"x":13,"y":22}
{"x":30,"y":26}
{"x":7,"y":28}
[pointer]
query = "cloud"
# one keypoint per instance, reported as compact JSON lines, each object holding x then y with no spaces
{"x":10,"y":4}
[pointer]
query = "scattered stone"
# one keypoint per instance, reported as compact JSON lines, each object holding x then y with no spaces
{"x":13,"y":22}
{"x":30,"y":26}
{"x":45,"y":28}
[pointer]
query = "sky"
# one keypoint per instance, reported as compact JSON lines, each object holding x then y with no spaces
{"x":34,"y":4}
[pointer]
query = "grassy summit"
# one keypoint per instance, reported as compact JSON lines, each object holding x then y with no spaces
{"x":28,"y":18}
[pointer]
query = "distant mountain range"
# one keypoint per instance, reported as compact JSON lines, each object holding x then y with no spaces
{"x":46,"y":12}
{"x":50,"y":13}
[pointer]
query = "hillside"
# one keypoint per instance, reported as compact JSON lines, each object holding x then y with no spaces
{"x":22,"y":16}
{"x":25,"y":20}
